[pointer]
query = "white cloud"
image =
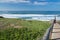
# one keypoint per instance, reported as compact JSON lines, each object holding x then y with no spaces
{"x":40,"y":3}
{"x":16,"y":1}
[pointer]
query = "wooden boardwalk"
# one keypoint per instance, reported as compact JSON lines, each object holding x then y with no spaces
{"x":55,"y":35}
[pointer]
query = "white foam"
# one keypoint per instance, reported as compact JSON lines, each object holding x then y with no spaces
{"x":34,"y":16}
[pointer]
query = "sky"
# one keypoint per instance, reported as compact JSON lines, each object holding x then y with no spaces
{"x":29,"y":5}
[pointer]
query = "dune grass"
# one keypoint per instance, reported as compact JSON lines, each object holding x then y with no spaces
{"x":19,"y":29}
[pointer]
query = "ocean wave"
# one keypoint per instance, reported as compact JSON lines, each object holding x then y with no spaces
{"x":31,"y":16}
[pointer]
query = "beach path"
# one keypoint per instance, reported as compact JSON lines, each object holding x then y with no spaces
{"x":55,"y":35}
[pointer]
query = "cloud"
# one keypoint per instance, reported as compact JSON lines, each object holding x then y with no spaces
{"x":40,"y":3}
{"x":46,"y":3}
{"x":15,"y":1}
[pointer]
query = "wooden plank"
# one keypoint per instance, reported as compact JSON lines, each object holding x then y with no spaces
{"x":56,"y":32}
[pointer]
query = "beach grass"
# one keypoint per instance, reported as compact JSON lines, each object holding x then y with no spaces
{"x":20,"y":29}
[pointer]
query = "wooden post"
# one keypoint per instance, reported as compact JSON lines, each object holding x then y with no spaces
{"x":55,"y":20}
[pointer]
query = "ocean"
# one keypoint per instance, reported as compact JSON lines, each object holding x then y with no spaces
{"x":31,"y":15}
{"x":30,"y":12}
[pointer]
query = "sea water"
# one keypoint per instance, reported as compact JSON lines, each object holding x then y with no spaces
{"x":31,"y":15}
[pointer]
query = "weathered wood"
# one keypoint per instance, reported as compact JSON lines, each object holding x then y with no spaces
{"x":56,"y":32}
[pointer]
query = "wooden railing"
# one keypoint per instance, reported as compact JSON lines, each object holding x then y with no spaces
{"x":48,"y":32}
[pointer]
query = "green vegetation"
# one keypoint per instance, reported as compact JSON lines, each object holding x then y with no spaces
{"x":19,"y":29}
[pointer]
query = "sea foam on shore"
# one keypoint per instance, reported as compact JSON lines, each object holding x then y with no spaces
{"x":41,"y":17}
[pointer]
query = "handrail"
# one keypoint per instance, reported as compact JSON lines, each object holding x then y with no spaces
{"x":47,"y":34}
{"x":49,"y":30}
